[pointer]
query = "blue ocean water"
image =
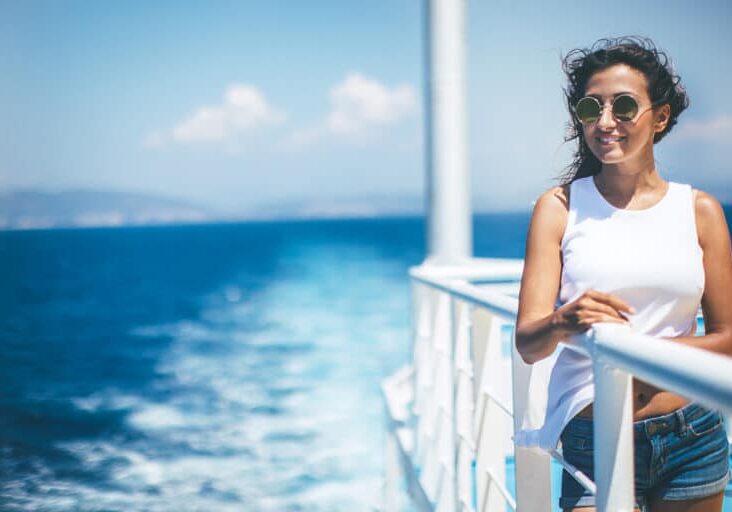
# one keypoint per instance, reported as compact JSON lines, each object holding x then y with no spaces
{"x":210,"y":367}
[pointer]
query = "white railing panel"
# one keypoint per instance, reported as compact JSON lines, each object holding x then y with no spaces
{"x":464,"y":407}
{"x":464,"y":477}
{"x":533,"y":467}
{"x":392,"y":475}
{"x":493,"y":443}
{"x":433,"y":354}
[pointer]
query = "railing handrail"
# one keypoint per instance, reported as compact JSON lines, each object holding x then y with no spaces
{"x":690,"y":371}
{"x":494,"y":302}
{"x":457,"y":283}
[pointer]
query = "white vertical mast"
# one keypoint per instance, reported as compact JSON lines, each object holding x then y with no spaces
{"x":449,"y":231}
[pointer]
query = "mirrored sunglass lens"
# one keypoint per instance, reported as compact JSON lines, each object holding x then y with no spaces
{"x":588,"y":110}
{"x":625,"y":108}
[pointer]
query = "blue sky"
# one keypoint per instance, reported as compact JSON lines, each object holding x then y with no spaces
{"x":239,"y":104}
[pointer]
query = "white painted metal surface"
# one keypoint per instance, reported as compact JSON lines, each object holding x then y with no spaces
{"x":613,"y":424}
{"x":697,"y":374}
{"x":533,"y":467}
{"x":451,"y":414}
{"x":448,"y":184}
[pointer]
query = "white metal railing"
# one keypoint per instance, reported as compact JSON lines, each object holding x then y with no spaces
{"x":452,"y":412}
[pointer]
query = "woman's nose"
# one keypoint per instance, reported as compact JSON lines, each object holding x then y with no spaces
{"x":606,"y":121}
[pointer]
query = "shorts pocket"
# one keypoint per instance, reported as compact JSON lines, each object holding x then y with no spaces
{"x":705,"y":424}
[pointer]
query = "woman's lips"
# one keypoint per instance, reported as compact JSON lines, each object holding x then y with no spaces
{"x":606,"y":140}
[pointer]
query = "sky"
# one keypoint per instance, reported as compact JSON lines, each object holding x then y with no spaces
{"x":241,"y":105}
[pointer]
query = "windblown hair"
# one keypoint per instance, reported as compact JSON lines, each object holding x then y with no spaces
{"x":664,"y":87}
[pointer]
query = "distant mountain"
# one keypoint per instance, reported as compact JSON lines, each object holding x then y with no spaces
{"x":36,"y":209}
{"x":33,"y":209}
{"x":351,"y":207}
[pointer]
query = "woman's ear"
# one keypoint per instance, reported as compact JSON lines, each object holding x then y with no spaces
{"x":662,"y":115}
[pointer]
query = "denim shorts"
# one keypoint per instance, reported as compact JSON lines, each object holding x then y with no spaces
{"x":678,"y":456}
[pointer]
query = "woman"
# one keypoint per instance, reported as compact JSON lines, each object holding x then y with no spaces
{"x":617,"y":243}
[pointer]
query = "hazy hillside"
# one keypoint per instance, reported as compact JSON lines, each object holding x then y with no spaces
{"x":351,"y":207}
{"x":32,"y":209}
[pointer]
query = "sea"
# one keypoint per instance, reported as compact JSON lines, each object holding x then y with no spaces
{"x":207,"y":367}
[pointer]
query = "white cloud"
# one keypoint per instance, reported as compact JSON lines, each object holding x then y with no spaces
{"x":359,"y":102}
{"x":717,"y":128}
{"x":357,"y":105}
{"x":243,"y":109}
{"x":206,"y":123}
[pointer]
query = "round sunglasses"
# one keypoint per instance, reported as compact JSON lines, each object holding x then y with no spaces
{"x":624,"y":108}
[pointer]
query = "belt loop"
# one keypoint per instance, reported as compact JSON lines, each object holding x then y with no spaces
{"x":681,"y":421}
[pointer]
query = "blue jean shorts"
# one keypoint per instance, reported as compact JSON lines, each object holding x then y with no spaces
{"x":683,"y":455}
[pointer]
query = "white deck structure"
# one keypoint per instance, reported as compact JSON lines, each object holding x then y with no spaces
{"x":451,"y":413}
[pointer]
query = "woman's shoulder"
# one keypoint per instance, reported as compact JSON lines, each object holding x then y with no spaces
{"x":710,"y":219}
{"x":705,"y":203}
{"x":554,"y":201}
{"x":551,"y":210}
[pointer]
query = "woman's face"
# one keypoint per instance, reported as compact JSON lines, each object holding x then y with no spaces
{"x":628,"y":146}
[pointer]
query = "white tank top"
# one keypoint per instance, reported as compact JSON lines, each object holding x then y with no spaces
{"x":649,"y":258}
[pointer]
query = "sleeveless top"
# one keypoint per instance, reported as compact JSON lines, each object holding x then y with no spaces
{"x":649,"y":258}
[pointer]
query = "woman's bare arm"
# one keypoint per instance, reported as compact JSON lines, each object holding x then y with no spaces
{"x":716,"y":303}
{"x":539,"y":327}
{"x":537,"y":333}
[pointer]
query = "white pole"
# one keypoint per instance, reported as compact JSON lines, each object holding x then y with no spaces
{"x":613,"y":434}
{"x":448,"y":189}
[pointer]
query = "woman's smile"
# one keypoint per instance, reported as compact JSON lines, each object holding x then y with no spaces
{"x":609,"y":140}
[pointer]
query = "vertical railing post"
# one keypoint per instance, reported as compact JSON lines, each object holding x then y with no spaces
{"x":434,"y":430}
{"x":464,"y":406}
{"x":427,"y":321}
{"x":446,"y":495}
{"x":613,"y":429}
{"x":613,"y":424}
{"x":421,"y":334}
{"x":491,"y":422}
{"x":392,"y":476}
{"x":533,"y":468}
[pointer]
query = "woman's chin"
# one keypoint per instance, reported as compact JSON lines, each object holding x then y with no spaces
{"x":609,"y":156}
{"x":609,"y":159}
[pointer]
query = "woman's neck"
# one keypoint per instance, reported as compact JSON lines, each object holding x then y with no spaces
{"x":624,"y":186}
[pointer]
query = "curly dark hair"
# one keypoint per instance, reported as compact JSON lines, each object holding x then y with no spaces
{"x":664,"y":87}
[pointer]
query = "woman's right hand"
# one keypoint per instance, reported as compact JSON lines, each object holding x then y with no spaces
{"x":590,"y":308}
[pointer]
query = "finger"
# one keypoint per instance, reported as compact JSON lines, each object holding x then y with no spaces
{"x":612,"y":300}
{"x":571,"y":320}
{"x":609,"y":319}
{"x":589,"y":305}
{"x":605,"y":309}
{"x":578,"y":326}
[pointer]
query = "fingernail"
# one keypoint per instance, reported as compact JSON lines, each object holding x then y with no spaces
{"x":632,"y":310}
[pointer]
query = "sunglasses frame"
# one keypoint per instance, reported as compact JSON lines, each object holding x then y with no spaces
{"x":612,"y":104}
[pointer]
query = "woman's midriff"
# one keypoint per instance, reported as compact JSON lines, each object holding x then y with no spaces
{"x":648,"y":401}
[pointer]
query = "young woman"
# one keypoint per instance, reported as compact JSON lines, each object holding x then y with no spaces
{"x":618,"y":243}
